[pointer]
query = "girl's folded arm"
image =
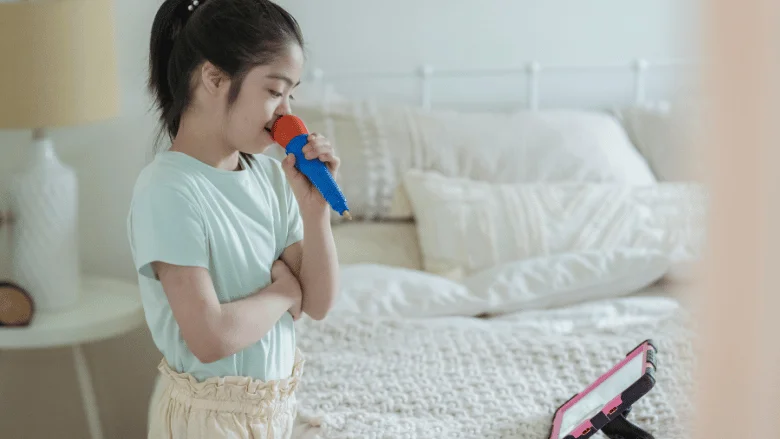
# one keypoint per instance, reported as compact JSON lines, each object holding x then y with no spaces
{"x":214,"y":330}
{"x":314,"y":262}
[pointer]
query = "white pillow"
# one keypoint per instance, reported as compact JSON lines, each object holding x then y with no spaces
{"x":378,"y":144}
{"x":665,"y":134}
{"x":559,"y":280}
{"x":566,"y":279}
{"x":375,"y":289}
{"x":466,"y":226}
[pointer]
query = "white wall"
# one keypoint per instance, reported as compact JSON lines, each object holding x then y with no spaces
{"x":404,"y":34}
{"x":342,"y":35}
{"x":449,"y":33}
{"x":348,"y":35}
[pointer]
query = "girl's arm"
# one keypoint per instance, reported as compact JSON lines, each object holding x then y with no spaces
{"x":214,"y":330}
{"x":313,"y":260}
{"x":315,"y":263}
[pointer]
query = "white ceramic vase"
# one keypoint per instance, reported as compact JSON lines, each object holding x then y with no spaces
{"x":44,"y":199}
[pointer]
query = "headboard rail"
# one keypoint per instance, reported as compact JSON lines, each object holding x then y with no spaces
{"x":532,"y":71}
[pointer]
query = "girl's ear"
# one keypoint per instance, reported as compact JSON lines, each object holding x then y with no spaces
{"x":213,"y":79}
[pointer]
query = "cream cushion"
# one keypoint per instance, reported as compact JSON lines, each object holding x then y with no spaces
{"x":393,"y":244}
{"x":466,"y":226}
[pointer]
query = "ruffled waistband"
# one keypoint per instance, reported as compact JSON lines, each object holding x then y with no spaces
{"x":231,"y":393}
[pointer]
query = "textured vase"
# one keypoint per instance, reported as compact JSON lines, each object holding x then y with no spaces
{"x":45,"y":247}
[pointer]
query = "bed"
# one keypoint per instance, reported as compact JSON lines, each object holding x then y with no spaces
{"x":465,"y":377}
{"x":402,"y":356}
{"x":489,"y":276}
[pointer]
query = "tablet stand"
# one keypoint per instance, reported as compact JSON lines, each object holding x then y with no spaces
{"x":622,"y":428}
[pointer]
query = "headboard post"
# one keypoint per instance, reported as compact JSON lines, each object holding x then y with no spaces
{"x":640,"y":67}
{"x":533,"y":68}
{"x":426,"y":94}
{"x":317,"y":76}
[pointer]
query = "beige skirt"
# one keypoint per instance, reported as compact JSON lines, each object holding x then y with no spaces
{"x":223,"y":407}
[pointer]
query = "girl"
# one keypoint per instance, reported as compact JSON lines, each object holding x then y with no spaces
{"x":216,"y":228}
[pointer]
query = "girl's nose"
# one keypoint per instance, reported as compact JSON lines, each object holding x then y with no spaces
{"x":284,"y":108}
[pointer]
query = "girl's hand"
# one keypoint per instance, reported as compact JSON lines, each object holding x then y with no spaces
{"x":309,"y":198}
{"x":288,"y":285}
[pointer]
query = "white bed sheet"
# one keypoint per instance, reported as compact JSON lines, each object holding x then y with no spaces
{"x":650,"y":306}
{"x":617,"y":320}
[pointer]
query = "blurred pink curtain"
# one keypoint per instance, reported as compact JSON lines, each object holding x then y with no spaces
{"x":738,"y":380}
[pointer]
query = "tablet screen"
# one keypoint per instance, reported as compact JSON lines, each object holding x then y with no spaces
{"x":595,"y":400}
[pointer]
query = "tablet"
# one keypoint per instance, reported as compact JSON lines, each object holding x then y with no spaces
{"x":608,"y":398}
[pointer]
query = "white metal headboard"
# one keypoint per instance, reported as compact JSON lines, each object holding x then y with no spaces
{"x":532,"y":71}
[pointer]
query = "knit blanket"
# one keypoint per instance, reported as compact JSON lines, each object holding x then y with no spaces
{"x":388,"y":377}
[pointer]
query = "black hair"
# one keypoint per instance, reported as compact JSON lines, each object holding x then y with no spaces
{"x":234,"y":35}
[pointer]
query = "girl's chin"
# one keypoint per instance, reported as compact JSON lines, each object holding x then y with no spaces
{"x":259,"y":149}
{"x":261,"y":144}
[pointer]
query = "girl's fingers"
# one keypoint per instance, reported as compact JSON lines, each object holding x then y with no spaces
{"x":317,"y":148}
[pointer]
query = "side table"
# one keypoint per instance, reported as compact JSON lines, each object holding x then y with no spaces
{"x":108,"y":308}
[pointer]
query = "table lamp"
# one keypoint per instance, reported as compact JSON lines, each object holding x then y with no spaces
{"x":58,"y":69}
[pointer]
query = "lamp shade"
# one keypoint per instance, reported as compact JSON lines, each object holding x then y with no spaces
{"x":58,"y":63}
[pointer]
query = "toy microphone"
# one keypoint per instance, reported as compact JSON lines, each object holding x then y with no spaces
{"x":291,"y":134}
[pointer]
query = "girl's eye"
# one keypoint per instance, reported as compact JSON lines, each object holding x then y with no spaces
{"x":275,"y":93}
{"x":292,"y":98}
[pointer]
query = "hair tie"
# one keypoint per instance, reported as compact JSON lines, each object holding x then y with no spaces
{"x":194,"y":5}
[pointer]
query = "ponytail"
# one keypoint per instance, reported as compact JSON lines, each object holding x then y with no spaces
{"x":234,"y":35}
{"x":167,"y":25}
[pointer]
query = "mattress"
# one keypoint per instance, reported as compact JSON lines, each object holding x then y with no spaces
{"x":503,"y":377}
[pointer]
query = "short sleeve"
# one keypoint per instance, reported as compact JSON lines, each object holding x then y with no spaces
{"x":167,"y":226}
{"x":294,"y":221}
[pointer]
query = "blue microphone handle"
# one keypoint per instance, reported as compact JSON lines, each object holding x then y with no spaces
{"x":319,"y":175}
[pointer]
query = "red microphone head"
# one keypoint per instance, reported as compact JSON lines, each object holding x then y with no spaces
{"x":286,"y":128}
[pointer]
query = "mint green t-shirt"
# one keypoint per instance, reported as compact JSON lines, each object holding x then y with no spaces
{"x":235,"y":224}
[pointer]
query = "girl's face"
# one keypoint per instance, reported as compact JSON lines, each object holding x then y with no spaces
{"x":265,"y":96}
